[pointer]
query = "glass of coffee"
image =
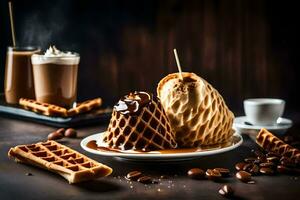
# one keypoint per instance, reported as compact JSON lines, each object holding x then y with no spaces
{"x":18,"y":81}
{"x":55,"y":77}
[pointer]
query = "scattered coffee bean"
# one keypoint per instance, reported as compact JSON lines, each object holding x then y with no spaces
{"x":55,"y":136}
{"x":267,"y":164}
{"x":254,"y":170}
{"x":71,"y":133}
{"x":272,"y":154}
{"x":61,"y":130}
{"x":247,"y":167}
{"x":145,"y":179}
{"x":196,"y":173}
{"x":213,"y":174}
{"x":28,"y":174}
{"x":287,"y":170}
{"x":283,"y":169}
{"x":226,"y":191}
{"x":243,"y":176}
{"x":224,"y":171}
{"x":273,"y":159}
{"x":134,"y":175}
{"x":266,"y":171}
{"x":239,"y":166}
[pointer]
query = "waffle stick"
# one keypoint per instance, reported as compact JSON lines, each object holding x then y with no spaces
{"x":50,"y":155}
{"x":270,"y":142}
{"x":53,"y":110}
{"x":43,"y":108}
{"x":85,"y":106}
{"x":150,"y":130}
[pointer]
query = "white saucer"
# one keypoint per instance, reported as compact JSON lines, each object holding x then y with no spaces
{"x":281,"y":127}
{"x":156,"y":156}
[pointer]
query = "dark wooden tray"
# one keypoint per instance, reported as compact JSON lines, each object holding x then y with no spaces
{"x":14,"y":111}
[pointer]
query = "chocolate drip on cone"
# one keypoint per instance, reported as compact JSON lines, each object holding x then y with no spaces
{"x":133,"y":103}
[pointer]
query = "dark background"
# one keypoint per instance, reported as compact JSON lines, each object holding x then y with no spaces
{"x":243,"y":48}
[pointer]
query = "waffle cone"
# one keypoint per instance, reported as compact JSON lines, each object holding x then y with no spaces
{"x":197,"y":112}
{"x":149,"y":130}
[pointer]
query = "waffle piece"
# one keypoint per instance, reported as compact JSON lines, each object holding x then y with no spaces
{"x":149,"y":129}
{"x":43,"y":108}
{"x":197,"y":112}
{"x":270,"y":142}
{"x":60,"y":159}
{"x":53,"y":110}
{"x":85,"y":106}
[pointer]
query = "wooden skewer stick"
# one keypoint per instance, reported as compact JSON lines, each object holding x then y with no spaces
{"x":178,"y":64}
{"x":12,"y":24}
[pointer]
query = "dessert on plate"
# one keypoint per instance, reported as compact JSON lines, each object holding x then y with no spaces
{"x":139,"y":123}
{"x":197,"y":112}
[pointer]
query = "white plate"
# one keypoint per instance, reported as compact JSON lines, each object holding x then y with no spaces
{"x":156,"y":156}
{"x":281,"y":127}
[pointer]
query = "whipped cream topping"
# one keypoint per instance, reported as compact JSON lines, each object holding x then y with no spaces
{"x":52,"y":51}
{"x":55,"y":56}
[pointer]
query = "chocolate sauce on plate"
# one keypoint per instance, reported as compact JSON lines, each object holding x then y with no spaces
{"x":93,"y":145}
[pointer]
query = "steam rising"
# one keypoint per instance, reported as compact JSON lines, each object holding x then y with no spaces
{"x":44,"y":28}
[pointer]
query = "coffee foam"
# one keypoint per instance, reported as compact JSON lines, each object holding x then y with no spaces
{"x":55,"y":56}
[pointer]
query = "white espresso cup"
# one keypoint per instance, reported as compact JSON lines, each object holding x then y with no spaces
{"x":263,"y":111}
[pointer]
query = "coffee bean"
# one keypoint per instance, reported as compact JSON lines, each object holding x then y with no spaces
{"x":61,"y":130}
{"x":224,"y":171}
{"x":213,"y":174}
{"x":145,"y":179}
{"x":55,"y":136}
{"x":273,"y":154}
{"x":239,"y":166}
{"x":284,"y":170}
{"x":134,"y":175}
{"x":243,"y":176}
{"x":71,"y":133}
{"x":226,"y":191}
{"x":247,"y":167}
{"x":262,"y":158}
{"x":258,"y":153}
{"x":196,"y":173}
{"x":267,"y":164}
{"x":254,"y":170}
{"x":266,"y":171}
{"x":250,"y":160}
{"x":273,"y":159}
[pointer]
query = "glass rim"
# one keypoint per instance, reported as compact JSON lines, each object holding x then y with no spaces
{"x":23,"y":48}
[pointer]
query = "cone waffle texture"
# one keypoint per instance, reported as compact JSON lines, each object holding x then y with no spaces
{"x":270,"y":142}
{"x":147,"y":131}
{"x":197,"y":112}
{"x":60,"y":159}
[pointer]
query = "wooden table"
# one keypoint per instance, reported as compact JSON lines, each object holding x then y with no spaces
{"x":14,"y":184}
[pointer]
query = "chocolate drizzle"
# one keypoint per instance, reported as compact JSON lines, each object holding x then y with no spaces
{"x":133,"y":103}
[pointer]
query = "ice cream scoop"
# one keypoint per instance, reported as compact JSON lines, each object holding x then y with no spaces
{"x":197,"y":112}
